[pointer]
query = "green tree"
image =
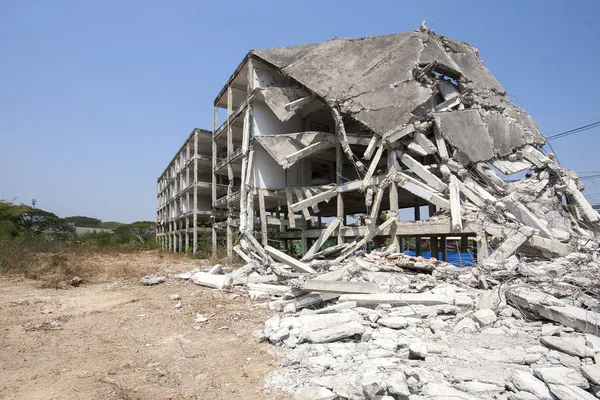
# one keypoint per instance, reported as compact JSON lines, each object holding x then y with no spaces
{"x":86,"y":222}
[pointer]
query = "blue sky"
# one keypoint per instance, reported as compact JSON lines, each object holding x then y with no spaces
{"x":96,"y":96}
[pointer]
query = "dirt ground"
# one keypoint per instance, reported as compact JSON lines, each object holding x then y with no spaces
{"x":121,"y":340}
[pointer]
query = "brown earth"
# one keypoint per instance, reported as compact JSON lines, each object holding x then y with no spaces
{"x":121,"y":340}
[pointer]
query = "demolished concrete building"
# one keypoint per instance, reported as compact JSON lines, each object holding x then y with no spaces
{"x":380,"y":124}
{"x":361,"y":126}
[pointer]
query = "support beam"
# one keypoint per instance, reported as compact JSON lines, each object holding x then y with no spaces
{"x":371,"y":147}
{"x":292,"y":262}
{"x":455,"y":209}
{"x":341,"y":133}
{"x":263,"y":216}
{"x":372,"y":167}
{"x":398,"y":133}
{"x":441,"y":145}
{"x":319,"y":285}
{"x":340,"y":200}
{"x":323,"y":238}
{"x":300,"y":197}
{"x":423,"y":173}
{"x":425,"y":143}
{"x":314,"y":200}
{"x":291,"y":215}
{"x":418,"y":247}
{"x":309,"y":150}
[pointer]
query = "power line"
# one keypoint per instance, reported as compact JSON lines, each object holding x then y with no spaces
{"x":596,"y":176}
{"x":574,"y":131}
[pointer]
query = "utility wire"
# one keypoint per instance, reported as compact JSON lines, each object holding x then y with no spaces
{"x":574,"y":131}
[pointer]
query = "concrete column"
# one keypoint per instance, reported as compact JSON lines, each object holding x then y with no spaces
{"x":444,"y":245}
{"x":195,"y":189}
{"x":432,"y":209}
{"x":418,"y":248}
{"x":401,"y":244}
{"x":339,"y":163}
{"x":464,"y":244}
{"x":417,"y":213}
{"x":214,"y":181}
{"x":433,"y":246}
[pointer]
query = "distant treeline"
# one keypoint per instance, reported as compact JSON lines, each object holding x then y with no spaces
{"x":20,"y":222}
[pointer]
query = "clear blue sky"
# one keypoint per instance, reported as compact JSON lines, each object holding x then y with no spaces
{"x":96,"y":96}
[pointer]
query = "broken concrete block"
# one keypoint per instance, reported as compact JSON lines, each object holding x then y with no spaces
{"x":279,"y":335}
{"x":521,"y":395}
{"x":592,"y":373}
{"x":393,"y":322}
{"x":561,"y":376}
{"x":525,"y":381}
{"x":396,"y":299}
{"x":314,"y":393}
{"x":543,"y":305}
{"x":569,"y":392}
{"x":333,"y":334}
{"x":152,"y":280}
{"x":593,"y":342}
{"x":466,"y":325}
{"x":572,"y":346}
{"x":213,"y":281}
{"x":396,"y":383}
{"x":484,"y":317}
{"x":216,"y":269}
{"x":372,"y":384}
{"x":487,"y":390}
{"x":338,"y":287}
{"x":441,"y":391}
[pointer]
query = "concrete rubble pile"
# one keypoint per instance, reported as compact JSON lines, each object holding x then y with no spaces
{"x":386,"y":325}
{"x":524,"y":323}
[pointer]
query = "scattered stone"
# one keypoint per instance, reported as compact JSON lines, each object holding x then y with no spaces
{"x":152,"y":280}
{"x":393,"y":322}
{"x":466,"y":325}
{"x":484,"y":317}
{"x":75,"y":281}
{"x":55,"y":324}
{"x":175,"y":297}
{"x":201,"y":318}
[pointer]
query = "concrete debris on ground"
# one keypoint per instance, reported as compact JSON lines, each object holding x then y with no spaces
{"x":430,"y":332}
{"x":152,"y":280}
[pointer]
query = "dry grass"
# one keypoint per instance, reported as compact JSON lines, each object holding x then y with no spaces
{"x":55,"y":265}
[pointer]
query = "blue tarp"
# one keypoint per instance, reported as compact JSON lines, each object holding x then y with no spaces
{"x":454,"y":257}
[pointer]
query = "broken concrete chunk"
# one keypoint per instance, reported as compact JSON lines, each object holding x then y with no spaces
{"x":542,"y":305}
{"x":393,"y":322}
{"x":396,"y":299}
{"x":333,"y":334}
{"x":561,"y":376}
{"x":152,"y":280}
{"x":572,"y":346}
{"x":525,"y":381}
{"x":592,"y":373}
{"x":484,"y":317}
{"x":441,"y":391}
{"x":314,"y":393}
{"x":213,"y":281}
{"x":569,"y":392}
